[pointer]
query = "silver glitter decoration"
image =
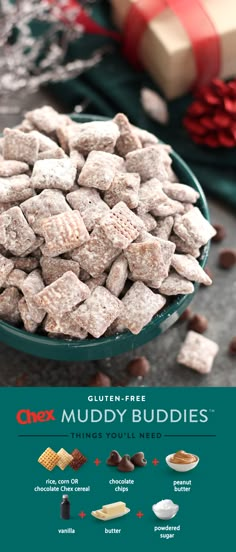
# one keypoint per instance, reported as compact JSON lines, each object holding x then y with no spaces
{"x":28,"y":62}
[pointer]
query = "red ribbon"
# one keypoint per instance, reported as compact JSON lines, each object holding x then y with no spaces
{"x":196,"y":21}
{"x":83,"y":18}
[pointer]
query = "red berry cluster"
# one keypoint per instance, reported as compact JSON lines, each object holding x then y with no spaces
{"x":211,"y":118}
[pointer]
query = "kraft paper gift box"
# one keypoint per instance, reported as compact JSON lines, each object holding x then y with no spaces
{"x":165,"y":48}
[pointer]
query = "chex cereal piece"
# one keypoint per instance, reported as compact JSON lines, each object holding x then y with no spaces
{"x":148,"y":162}
{"x":15,"y":232}
{"x":180,"y":192}
{"x":15,"y":188}
{"x":183,"y":246}
{"x":90,"y":205}
{"x":78,"y":459}
{"x":97,"y":254}
{"x":77,"y":159}
{"x":99,"y":170}
{"x":188,"y":267}
{"x":98,"y":135}
{"x":124,"y":187}
{"x":194,"y":228}
{"x":92,"y":283}
{"x":62,"y":295}
{"x":140,"y":305}
{"x":20,"y":146}
{"x":46,"y":119}
{"x":164,"y":227}
{"x":128,"y":139}
{"x":27,"y":264}
{"x":65,"y":131}
{"x":45,"y":143}
{"x":6,"y":266}
{"x":175,"y":284}
{"x":150,"y":194}
{"x":29,"y":324}
{"x":188,"y":207}
{"x":117,"y":276}
{"x":54,"y":268}
{"x":49,"y":459}
{"x":63,"y":233}
{"x":34,"y":247}
{"x":9,"y":310}
{"x":121,"y":225}
{"x":53,"y":173}
{"x":12,"y":168}
{"x":16,"y":278}
{"x":198,"y":352}
{"x":44,"y":205}
{"x":55,"y":153}
{"x":98,"y":312}
{"x":66,"y":325}
{"x":149,"y":221}
{"x":152,"y":198}
{"x":31,"y":286}
{"x":146,"y":138}
{"x":6,"y":206}
{"x":64,"y":459}
{"x":147,"y":263}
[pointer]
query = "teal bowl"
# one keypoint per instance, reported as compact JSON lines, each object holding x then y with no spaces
{"x":94,"y":349}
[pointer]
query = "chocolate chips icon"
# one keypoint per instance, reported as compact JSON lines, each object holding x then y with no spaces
{"x":126,"y":463}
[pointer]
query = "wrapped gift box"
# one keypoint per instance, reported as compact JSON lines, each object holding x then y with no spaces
{"x":180,"y":51}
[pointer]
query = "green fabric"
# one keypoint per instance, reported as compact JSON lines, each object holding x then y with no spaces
{"x":113,"y":85}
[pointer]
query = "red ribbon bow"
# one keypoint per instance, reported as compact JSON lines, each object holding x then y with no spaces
{"x":202,"y":33}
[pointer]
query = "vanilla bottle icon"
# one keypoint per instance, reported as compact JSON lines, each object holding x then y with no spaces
{"x":65,"y":507}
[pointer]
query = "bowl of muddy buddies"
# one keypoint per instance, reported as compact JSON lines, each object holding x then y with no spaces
{"x":104,"y":235}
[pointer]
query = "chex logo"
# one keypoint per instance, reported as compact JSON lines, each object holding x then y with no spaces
{"x":25,"y":416}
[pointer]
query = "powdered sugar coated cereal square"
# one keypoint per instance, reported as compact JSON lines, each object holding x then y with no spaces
{"x":90,"y":205}
{"x":99,"y":170}
{"x":140,"y":305}
{"x":121,"y":225}
{"x":63,"y":233}
{"x":53,"y":173}
{"x":62,"y":295}
{"x":98,"y":312}
{"x":198,"y":352}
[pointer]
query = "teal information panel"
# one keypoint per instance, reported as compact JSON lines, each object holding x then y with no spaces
{"x":171,"y":486}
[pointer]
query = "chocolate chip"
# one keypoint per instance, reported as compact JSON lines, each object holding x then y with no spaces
{"x":198,"y":323}
{"x":232,"y":346}
{"x":186,"y":315}
{"x":138,"y":460}
{"x":125,"y":464}
{"x":100,"y":380}
{"x":139,"y":366}
{"x":114,"y":458}
{"x":227,"y":258}
{"x":220,"y":233}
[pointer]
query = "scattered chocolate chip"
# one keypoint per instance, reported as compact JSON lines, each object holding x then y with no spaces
{"x":100,"y":380}
{"x":186,"y":315}
{"x":125,"y":464}
{"x":114,"y":458}
{"x":198,"y":323}
{"x":139,"y":366}
{"x":220,"y":233}
{"x":227,"y":258}
{"x":138,"y":460}
{"x":232,"y":346}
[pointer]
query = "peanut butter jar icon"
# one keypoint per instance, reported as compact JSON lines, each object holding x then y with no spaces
{"x":182,"y":461}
